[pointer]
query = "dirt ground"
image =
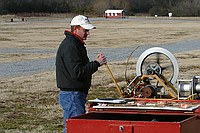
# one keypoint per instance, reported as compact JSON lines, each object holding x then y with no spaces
{"x":29,"y":103}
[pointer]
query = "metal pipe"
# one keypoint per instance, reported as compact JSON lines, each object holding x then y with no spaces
{"x":117,"y":86}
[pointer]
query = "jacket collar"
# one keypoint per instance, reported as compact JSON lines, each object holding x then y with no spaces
{"x":67,"y":32}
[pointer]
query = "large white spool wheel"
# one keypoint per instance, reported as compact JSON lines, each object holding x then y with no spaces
{"x":158,"y":61}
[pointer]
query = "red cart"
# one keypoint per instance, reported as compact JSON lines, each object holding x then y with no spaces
{"x":104,"y":117}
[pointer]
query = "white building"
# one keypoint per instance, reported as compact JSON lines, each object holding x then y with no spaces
{"x":115,"y":14}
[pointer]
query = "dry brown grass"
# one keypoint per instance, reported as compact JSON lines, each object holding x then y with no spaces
{"x":29,"y":103}
{"x":134,"y":32}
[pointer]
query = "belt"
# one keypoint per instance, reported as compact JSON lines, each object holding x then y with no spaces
{"x":72,"y":89}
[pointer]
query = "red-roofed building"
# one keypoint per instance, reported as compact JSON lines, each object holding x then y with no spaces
{"x":115,"y":14}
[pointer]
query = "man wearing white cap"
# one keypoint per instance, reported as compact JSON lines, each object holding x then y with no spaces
{"x":73,"y":68}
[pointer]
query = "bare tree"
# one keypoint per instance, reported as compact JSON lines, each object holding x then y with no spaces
{"x":99,"y":6}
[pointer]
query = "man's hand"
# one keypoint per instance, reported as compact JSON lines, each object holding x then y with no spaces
{"x":101,"y":59}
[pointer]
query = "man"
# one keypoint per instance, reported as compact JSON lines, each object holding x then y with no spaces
{"x":73,"y":68}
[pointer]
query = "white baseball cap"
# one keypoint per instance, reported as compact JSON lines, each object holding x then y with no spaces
{"x":82,"y":21}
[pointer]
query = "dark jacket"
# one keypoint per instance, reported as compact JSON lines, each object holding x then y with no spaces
{"x":73,"y":68}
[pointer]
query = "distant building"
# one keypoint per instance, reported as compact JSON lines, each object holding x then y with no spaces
{"x":170,"y":14}
{"x":115,"y":14}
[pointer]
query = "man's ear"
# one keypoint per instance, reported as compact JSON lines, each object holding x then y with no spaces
{"x":75,"y":28}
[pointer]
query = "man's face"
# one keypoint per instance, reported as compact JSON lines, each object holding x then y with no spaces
{"x":81,"y":32}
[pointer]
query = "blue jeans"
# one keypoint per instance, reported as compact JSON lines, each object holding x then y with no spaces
{"x":72,"y":103}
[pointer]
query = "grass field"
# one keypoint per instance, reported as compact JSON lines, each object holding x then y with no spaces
{"x":29,"y":103}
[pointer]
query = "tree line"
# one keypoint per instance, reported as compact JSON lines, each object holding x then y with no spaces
{"x":97,"y":7}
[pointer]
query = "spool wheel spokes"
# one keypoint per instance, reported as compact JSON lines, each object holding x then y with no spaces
{"x":157,"y":61}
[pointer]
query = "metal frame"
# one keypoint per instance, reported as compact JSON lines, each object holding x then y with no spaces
{"x":166,"y":84}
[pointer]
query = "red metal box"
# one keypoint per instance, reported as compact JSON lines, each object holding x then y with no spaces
{"x":101,"y":122}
